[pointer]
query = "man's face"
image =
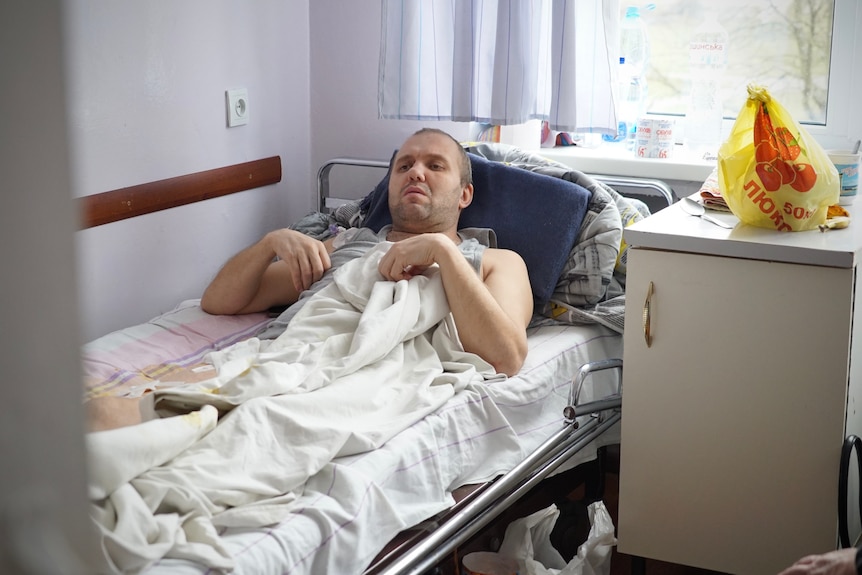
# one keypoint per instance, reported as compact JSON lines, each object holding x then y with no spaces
{"x":425,"y":191}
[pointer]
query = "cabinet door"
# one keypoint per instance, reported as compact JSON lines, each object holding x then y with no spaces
{"x":733,"y":417}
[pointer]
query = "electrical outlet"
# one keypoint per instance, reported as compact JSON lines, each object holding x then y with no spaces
{"x":237,"y":107}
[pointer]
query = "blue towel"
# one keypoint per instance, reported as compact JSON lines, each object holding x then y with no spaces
{"x":535,"y":215}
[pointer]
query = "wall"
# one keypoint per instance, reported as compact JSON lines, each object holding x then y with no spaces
{"x":146,"y":102}
{"x":43,"y":512}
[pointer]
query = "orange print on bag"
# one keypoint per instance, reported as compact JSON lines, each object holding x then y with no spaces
{"x":766,"y":204}
{"x":775,"y":151}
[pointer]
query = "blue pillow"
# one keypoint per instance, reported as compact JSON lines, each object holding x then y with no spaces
{"x":536,"y":215}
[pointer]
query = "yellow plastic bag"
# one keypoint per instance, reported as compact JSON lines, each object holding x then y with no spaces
{"x":771,"y":172}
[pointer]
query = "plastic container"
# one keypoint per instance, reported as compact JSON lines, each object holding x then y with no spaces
{"x":707,"y":62}
{"x":634,"y":42}
{"x":634,"y":105}
{"x":847,"y":164}
{"x":631,"y":77}
{"x":620,"y":136}
{"x":631,"y":98}
{"x":634,"y":59}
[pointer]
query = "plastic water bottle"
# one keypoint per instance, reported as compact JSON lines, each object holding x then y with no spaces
{"x":707,"y":62}
{"x":634,"y":42}
{"x":632,"y":85}
{"x":631,"y":93}
{"x":626,"y":113}
{"x":634,"y":89}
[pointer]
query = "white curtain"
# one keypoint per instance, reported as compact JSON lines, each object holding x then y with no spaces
{"x":500,"y":62}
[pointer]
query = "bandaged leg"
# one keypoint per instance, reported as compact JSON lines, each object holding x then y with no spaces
{"x":144,"y":446}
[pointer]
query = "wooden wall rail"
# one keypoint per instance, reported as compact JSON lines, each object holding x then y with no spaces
{"x":134,"y":201}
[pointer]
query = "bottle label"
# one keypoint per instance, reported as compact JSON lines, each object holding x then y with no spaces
{"x":706,"y":46}
{"x":708,"y":54}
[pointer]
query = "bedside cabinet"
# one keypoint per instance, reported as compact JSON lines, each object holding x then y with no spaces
{"x":742,"y":378}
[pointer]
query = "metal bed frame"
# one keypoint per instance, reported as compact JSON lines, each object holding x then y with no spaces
{"x":439,"y":537}
{"x":478,"y":510}
{"x":656,"y":194}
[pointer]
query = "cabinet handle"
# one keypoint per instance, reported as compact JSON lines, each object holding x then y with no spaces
{"x":646,"y":315}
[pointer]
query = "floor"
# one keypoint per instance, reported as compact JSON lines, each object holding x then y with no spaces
{"x":574,"y":522}
{"x":570,"y":491}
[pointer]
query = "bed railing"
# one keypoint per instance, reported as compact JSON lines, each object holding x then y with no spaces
{"x":486,"y":504}
{"x":656,"y":194}
{"x":326,"y":203}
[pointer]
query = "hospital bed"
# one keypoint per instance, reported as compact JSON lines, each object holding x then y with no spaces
{"x":391,"y":509}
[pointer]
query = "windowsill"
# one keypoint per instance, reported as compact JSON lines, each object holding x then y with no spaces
{"x":619,"y":162}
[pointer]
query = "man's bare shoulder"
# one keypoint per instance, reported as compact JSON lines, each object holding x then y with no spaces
{"x":502,"y":253}
{"x":504,"y":259}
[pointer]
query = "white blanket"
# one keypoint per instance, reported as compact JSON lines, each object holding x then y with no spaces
{"x":362,"y":361}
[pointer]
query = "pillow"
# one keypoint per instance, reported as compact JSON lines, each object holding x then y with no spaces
{"x":535,"y":215}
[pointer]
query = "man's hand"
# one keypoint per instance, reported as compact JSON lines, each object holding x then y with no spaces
{"x":412,"y":256}
{"x":491,"y":310}
{"x":306,"y":258}
{"x":840,"y":562}
{"x":251,"y":281}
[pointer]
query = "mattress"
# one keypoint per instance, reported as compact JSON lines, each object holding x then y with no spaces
{"x":350,"y":509}
{"x":166,"y":350}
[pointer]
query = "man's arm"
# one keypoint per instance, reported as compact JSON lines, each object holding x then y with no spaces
{"x":251,"y":281}
{"x":491,"y":312}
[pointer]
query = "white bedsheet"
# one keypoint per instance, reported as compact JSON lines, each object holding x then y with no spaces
{"x":349,"y":508}
{"x":363,"y":360}
{"x":354,"y":505}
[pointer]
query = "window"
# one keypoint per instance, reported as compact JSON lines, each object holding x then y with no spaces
{"x":802,"y":50}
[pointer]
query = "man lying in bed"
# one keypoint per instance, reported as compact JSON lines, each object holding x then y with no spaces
{"x":488,"y":290}
{"x":430,"y":183}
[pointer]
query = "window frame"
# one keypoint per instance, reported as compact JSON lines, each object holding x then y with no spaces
{"x":842,"y":127}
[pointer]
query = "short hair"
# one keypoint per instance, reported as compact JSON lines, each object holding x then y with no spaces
{"x":466,"y":166}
